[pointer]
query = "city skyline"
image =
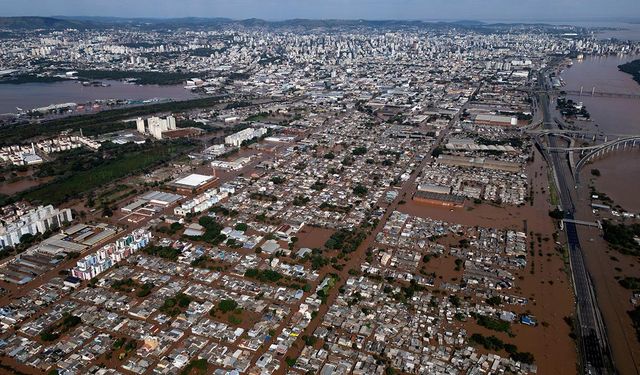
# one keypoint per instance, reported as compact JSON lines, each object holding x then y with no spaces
{"x":339,"y":187}
{"x":493,"y":10}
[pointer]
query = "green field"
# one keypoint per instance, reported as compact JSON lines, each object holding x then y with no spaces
{"x":123,"y":165}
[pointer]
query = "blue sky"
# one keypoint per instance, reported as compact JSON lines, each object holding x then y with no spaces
{"x":520,"y":10}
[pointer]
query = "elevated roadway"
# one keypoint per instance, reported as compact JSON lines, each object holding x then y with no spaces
{"x":592,"y":338}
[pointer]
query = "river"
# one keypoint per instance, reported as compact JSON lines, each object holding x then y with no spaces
{"x":618,"y":179}
{"x":35,"y":95}
{"x":612,"y":115}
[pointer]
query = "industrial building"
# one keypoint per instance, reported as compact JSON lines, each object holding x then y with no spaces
{"x":438,"y":195}
{"x":479,"y":162}
{"x":49,"y":253}
{"x":193,"y":183}
{"x":495,"y":120}
{"x":156,"y":198}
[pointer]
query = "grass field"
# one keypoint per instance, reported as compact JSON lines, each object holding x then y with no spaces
{"x":121,"y":166}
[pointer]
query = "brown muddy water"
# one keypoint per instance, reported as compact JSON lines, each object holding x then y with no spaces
{"x":612,"y":115}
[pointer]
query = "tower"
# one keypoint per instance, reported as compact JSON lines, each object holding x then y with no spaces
{"x":140,"y":125}
{"x":171,"y":122}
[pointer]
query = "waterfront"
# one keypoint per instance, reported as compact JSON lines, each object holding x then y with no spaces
{"x":611,"y":115}
{"x":34,"y":95}
{"x":619,"y":174}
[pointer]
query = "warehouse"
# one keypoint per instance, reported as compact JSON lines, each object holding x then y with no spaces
{"x":495,"y":120}
{"x":193,"y":183}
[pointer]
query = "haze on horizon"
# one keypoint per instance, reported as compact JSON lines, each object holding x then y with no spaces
{"x":498,"y":10}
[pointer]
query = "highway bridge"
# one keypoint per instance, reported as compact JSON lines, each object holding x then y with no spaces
{"x":612,"y":145}
{"x":583,"y":93}
{"x":601,"y":94}
{"x":586,"y":153}
{"x":619,"y":144}
{"x":577,"y":133}
{"x":592,"y":336}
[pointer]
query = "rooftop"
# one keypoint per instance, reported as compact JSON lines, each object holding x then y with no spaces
{"x":194,"y":180}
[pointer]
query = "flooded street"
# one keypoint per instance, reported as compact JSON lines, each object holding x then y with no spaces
{"x":544,"y":281}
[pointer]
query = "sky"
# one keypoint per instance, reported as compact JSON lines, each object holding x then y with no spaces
{"x":496,"y":10}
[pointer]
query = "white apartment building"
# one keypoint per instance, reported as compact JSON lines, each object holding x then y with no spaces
{"x":32,"y":221}
{"x":236,"y":139}
{"x":140,"y":125}
{"x":156,"y":125}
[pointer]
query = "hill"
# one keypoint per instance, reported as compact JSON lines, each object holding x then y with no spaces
{"x":33,"y":23}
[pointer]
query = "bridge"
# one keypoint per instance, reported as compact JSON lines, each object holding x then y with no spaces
{"x":578,"y":133}
{"x":623,"y":143}
{"x":602,"y":94}
{"x":585,"y":223}
{"x":592,"y":93}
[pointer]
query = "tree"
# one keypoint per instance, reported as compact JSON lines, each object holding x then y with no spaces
{"x":360,"y":190}
{"x":557,"y":214}
{"x":361,"y":150}
{"x":227,"y":305}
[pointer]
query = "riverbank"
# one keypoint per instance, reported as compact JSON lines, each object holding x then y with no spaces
{"x":632,"y":68}
{"x":28,"y":96}
{"x":606,"y":266}
{"x":619,"y":173}
{"x":609,"y":115}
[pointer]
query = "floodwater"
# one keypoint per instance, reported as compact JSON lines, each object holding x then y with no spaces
{"x":35,"y":95}
{"x":22,"y":185}
{"x":604,"y":266}
{"x":612,"y":115}
{"x":624,"y":31}
{"x":544,"y":281}
{"x":619,"y":173}
{"x":619,"y":180}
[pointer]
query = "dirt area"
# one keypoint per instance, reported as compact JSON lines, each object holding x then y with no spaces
{"x":313,"y":237}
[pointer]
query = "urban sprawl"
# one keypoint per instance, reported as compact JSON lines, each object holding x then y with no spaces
{"x":310,"y":215}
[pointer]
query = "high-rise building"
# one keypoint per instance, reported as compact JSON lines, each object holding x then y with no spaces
{"x":156,"y":125}
{"x":32,"y":221}
{"x":171,"y":123}
{"x":140,"y":125}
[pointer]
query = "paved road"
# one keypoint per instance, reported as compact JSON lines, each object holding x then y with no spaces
{"x":595,"y":355}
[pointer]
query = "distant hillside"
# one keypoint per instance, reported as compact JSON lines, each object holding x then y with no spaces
{"x":30,"y":23}
{"x":62,"y":22}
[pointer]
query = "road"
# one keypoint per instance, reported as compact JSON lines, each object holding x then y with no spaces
{"x":595,"y":355}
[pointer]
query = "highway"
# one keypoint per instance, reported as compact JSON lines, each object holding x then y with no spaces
{"x":594,"y":352}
